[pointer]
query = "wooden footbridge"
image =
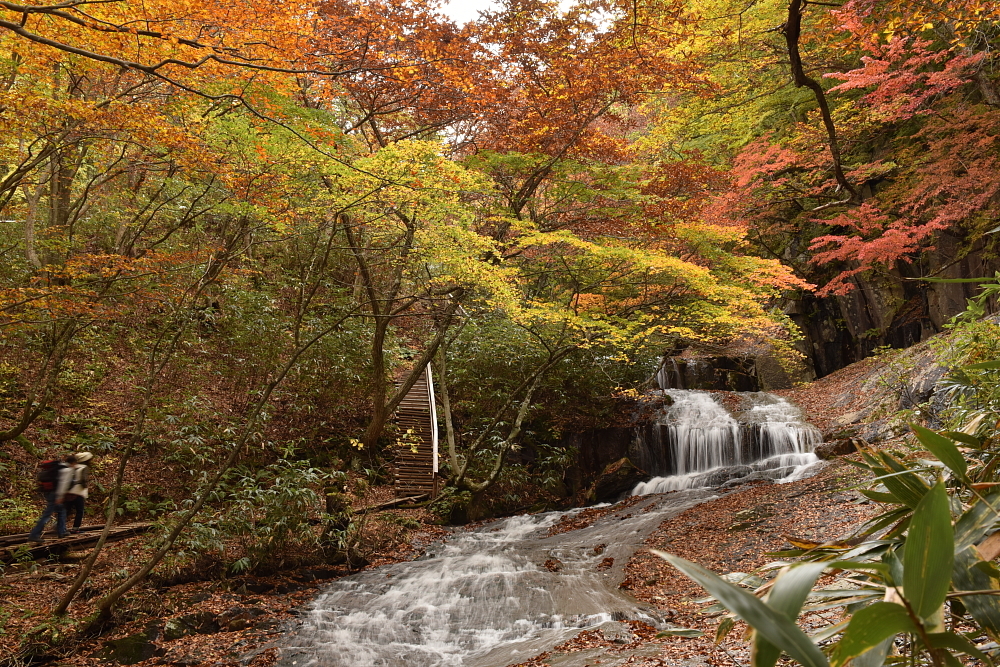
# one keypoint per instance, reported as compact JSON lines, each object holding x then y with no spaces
{"x":17,"y":547}
{"x":416,"y":455}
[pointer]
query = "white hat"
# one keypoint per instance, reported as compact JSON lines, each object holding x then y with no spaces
{"x":82,"y":457}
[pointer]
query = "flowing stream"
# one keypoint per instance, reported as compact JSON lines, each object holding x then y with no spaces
{"x":504,"y":592}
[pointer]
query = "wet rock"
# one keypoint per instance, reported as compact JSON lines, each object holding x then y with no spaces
{"x":617,"y":478}
{"x":922,"y":385}
{"x":267,"y":653}
{"x":616,"y":632}
{"x":202,"y":623}
{"x":553,"y":565}
{"x":879,"y":430}
{"x":130,"y":650}
{"x":316,"y":574}
{"x":841,"y":447}
{"x":269,"y":624}
{"x":606,"y":564}
{"x":849,"y":418}
{"x":288,"y":587}
{"x":260,"y":587}
{"x":181,"y":658}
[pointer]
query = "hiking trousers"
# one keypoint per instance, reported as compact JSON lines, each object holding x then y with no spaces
{"x":76,"y":506}
{"x":50,"y":507}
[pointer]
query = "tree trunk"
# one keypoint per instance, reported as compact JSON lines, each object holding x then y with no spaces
{"x":793,"y":30}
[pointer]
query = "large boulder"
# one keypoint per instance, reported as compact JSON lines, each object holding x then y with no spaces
{"x":240,"y":618}
{"x":617,"y":478}
{"x":132,"y":649}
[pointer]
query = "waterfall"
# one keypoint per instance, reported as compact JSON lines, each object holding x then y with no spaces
{"x":697,"y":442}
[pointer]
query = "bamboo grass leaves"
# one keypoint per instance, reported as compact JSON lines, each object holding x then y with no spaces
{"x":897,"y":585}
{"x":929,"y":553}
{"x":774,"y":624}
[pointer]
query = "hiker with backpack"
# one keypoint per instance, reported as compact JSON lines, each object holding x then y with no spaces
{"x":76,"y":497}
{"x":53,"y":482}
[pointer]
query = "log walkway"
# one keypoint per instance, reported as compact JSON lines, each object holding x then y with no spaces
{"x":16,"y":547}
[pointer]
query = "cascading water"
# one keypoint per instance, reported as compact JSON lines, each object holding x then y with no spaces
{"x":697,"y":442}
{"x":507,"y":591}
{"x":484,"y":598}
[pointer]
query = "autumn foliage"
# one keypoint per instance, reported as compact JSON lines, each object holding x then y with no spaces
{"x":914,"y":100}
{"x":301,"y":204}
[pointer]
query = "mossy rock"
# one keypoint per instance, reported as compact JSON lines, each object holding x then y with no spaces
{"x":130,"y":650}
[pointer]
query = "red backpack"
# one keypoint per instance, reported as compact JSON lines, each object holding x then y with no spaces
{"x":48,"y":475}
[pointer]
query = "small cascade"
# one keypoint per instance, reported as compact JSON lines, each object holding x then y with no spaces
{"x":496,"y":595}
{"x":697,"y":442}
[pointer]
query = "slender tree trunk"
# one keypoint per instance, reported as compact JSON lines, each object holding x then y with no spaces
{"x":157,"y":363}
{"x":37,"y":398}
{"x":107,"y":603}
{"x":793,"y":31}
{"x":32,"y":197}
{"x":158,"y":358}
{"x":529,"y":386}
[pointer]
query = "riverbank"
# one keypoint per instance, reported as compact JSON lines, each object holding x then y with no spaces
{"x":231,"y":622}
{"x":733,"y":533}
{"x":241,"y":620}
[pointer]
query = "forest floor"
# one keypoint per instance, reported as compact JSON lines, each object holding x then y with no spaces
{"x":239,"y":621}
{"x":236,"y":621}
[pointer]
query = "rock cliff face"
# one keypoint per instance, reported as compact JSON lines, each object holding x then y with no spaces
{"x":895,"y":309}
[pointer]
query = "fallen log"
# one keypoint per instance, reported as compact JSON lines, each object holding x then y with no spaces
{"x":389,"y":505}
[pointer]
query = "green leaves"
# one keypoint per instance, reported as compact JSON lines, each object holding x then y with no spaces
{"x":944,"y":449}
{"x":680,"y":632}
{"x":775,"y":626}
{"x":869,"y":627}
{"x":786,"y":596}
{"x":917,"y":569}
{"x":906,"y":486}
{"x":985,"y":609}
{"x":984,"y":366}
{"x":929,"y":553}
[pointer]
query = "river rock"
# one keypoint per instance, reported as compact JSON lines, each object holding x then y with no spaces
{"x":616,"y":632}
{"x":203,"y":623}
{"x":617,"y":478}
{"x":240,"y":618}
{"x":841,"y":447}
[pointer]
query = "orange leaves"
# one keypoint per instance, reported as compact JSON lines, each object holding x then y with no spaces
{"x":189,"y":43}
{"x":98,"y":287}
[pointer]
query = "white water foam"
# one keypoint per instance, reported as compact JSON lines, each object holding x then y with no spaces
{"x":482,"y":598}
{"x":698,"y":443}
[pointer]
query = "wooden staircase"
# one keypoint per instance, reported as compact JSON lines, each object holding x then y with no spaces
{"x":415,"y":472}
